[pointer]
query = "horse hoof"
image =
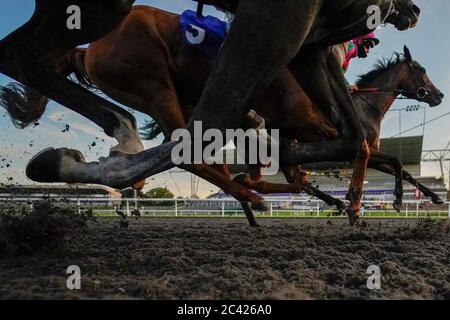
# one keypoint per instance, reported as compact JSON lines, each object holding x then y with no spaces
{"x":45,"y":167}
{"x":255,"y":226}
{"x":437,"y":200}
{"x":397,"y":204}
{"x":260,"y":206}
{"x":242,"y":179}
{"x":341,"y":207}
{"x":353,"y":216}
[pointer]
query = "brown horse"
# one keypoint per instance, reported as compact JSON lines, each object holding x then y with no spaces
{"x":245,"y":67}
{"x":175,"y":74}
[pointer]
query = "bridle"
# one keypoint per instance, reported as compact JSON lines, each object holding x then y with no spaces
{"x":392,"y":10}
{"x":421,"y":93}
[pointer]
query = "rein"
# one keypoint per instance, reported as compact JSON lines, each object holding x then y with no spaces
{"x":420,"y":93}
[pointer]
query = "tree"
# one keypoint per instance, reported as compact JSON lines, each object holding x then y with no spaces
{"x":159,"y":193}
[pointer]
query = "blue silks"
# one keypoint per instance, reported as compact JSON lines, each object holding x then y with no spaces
{"x":203,"y":33}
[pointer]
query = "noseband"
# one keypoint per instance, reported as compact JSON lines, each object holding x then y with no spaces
{"x":392,"y":10}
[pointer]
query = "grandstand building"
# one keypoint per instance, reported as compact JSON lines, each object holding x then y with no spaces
{"x":57,"y":191}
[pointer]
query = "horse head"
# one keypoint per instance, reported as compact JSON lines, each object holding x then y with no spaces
{"x":404,"y":14}
{"x":417,"y":85}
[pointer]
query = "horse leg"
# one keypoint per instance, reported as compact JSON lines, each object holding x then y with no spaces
{"x":154,"y":93}
{"x":30,"y":55}
{"x":235,"y":82}
{"x":396,"y":164}
{"x":292,"y":174}
{"x":385,"y":168}
{"x":319,"y":72}
{"x":297,"y":182}
{"x":115,"y":121}
{"x":244,"y":77}
{"x":249,"y":214}
{"x":426,"y":191}
{"x":357,"y":183}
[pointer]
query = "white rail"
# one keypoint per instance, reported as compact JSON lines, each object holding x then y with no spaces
{"x":278,"y":207}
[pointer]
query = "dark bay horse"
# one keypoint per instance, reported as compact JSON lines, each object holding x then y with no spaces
{"x":247,"y":64}
{"x":174,"y":77}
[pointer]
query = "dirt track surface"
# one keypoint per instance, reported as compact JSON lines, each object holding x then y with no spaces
{"x":225,"y":259}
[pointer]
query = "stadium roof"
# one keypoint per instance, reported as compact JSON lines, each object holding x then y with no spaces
{"x":407,"y":149}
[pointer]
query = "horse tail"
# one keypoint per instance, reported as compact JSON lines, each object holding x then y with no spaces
{"x":23,"y":104}
{"x":26,"y":106}
{"x":150,"y":130}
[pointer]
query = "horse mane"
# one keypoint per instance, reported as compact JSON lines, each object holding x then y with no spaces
{"x":381,"y":66}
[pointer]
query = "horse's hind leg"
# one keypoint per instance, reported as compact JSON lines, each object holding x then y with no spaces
{"x":425,"y":190}
{"x":396,"y":164}
{"x":386,"y":168}
{"x":254,"y":180}
{"x":297,"y":182}
{"x":295,"y":173}
{"x":31,"y":54}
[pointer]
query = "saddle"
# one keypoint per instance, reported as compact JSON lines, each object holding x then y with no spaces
{"x":204,"y":33}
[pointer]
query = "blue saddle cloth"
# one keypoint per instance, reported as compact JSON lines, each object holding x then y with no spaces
{"x":203,"y":33}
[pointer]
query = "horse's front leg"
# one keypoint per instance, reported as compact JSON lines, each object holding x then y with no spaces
{"x":318,"y":70}
{"x":396,"y":164}
{"x":356,"y":188}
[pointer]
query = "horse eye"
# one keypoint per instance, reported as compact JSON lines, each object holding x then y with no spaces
{"x":423,"y":70}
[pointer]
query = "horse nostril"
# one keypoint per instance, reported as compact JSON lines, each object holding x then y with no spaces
{"x":416,"y":10}
{"x":441,"y":95}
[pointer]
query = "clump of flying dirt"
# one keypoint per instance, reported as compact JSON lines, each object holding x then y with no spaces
{"x":45,"y":227}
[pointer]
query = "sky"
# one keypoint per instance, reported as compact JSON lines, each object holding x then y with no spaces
{"x":429,"y":43}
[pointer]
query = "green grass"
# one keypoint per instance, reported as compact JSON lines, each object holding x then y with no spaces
{"x":289,"y":214}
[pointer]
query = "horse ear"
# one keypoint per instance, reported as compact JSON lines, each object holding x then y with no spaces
{"x":407,"y":53}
